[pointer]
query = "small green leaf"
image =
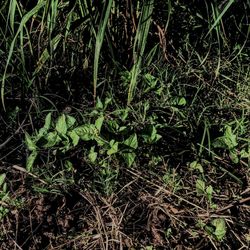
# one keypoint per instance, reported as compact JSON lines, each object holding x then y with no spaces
{"x":227,"y":141}
{"x":47,"y":121}
{"x":5,"y":187}
{"x":92,"y":155}
{"x":44,"y":130}
{"x":113,"y":147}
{"x":196,"y":166}
{"x":61,"y":125}
{"x":200,"y":187}
{"x":30,"y":161}
{"x":99,"y":122}
{"x":2,"y":179}
{"x":86,"y":132}
{"x":230,"y":138}
{"x":70,"y":121}
{"x":74,"y":137}
{"x":129,"y":158}
{"x":209,"y":192}
{"x":220,"y":228}
{"x":244,"y":153}
{"x":182,"y":101}
{"x":132,"y":141}
{"x":52,"y":139}
{"x":30,"y":144}
{"x":152,"y":137}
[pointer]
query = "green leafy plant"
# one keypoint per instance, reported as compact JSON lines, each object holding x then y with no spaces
{"x":230,"y":142}
{"x":207,"y":191}
{"x":112,"y":141}
{"x":216,"y":228}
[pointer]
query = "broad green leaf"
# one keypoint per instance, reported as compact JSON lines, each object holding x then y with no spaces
{"x":52,"y":139}
{"x":200,"y":187}
{"x":244,"y":153}
{"x":227,"y":141}
{"x":129,"y":158}
{"x":113,"y":147}
{"x":47,"y":121}
{"x":152,"y":137}
{"x":44,"y":130}
{"x":30,"y":161}
{"x":196,"y":166}
{"x":209,"y":192}
{"x":70,"y":121}
{"x":100,"y":141}
{"x":220,"y":228}
{"x":61,"y":125}
{"x":2,"y":179}
{"x":122,"y":128}
{"x":74,"y":137}
{"x":132,"y":141}
{"x":182,"y":101}
{"x":230,"y":138}
{"x":99,"y":122}
{"x":5,"y":188}
{"x":92,"y":154}
{"x":86,"y":132}
{"x":29,"y":142}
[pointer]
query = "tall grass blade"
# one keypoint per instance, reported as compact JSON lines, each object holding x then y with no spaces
{"x":99,"y":40}
{"x":24,"y":20}
{"x":230,"y":2}
{"x":139,"y":45}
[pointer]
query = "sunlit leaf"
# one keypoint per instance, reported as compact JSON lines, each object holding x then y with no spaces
{"x":70,"y":121}
{"x":47,"y":121}
{"x":132,"y":141}
{"x":220,"y":228}
{"x":74,"y":137}
{"x":61,"y":125}
{"x":113,"y":147}
{"x":92,"y":154}
{"x":196,"y":166}
{"x":209,"y":192}
{"x":86,"y":132}
{"x":129,"y":158}
{"x":2,"y":179}
{"x":30,"y":161}
{"x":99,"y":122}
{"x":44,"y":130}
{"x":29,"y":142}
{"x":200,"y":187}
{"x":182,"y":101}
{"x":52,"y":139}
